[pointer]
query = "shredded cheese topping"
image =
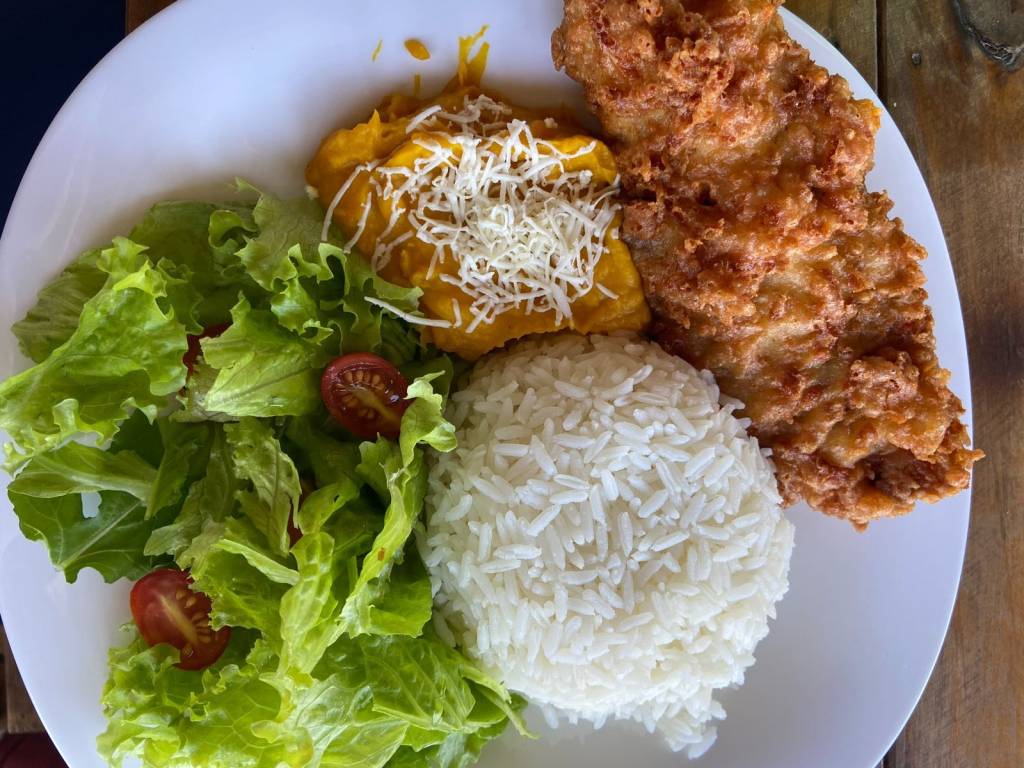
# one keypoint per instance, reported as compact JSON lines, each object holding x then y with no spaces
{"x":408,"y":317}
{"x":524,"y":232}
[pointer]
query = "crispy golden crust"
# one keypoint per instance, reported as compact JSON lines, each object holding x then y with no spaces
{"x":764,"y":258}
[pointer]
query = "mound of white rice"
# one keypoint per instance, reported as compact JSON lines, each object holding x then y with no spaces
{"x":606,"y":539}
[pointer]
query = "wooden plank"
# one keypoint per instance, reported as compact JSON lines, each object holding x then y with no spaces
{"x":137,"y":11}
{"x":997,"y":29}
{"x":850,"y":25}
{"x":953,"y":83}
{"x":21,"y":715}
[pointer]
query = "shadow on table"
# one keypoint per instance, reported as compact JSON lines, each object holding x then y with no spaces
{"x":31,"y":750}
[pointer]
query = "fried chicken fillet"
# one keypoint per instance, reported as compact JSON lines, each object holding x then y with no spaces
{"x":764,"y":258}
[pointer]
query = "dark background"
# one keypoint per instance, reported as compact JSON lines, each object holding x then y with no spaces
{"x":45,"y":50}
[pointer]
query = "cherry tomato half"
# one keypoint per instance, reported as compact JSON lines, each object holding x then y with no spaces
{"x":366,"y":394}
{"x":194,"y":347}
{"x":167,"y":610}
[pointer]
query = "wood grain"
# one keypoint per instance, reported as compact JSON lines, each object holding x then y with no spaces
{"x":850,"y":25}
{"x":137,"y":11}
{"x":20,"y":716}
{"x":963,"y":115}
{"x":996,"y":27}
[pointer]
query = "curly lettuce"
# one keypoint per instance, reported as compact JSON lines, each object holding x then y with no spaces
{"x":127,"y":460}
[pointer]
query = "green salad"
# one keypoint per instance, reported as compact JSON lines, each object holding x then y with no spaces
{"x":174,"y":432}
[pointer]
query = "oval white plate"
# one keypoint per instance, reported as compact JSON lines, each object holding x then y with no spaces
{"x":211,"y":90}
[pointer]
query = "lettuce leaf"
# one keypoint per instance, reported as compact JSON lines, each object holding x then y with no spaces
{"x":370,"y":702}
{"x":323,"y":504}
{"x":402,"y":669}
{"x":111,"y":542}
{"x":143,"y":699}
{"x":234,"y":714}
{"x":329,"y":459}
{"x":199,"y":241}
{"x":77,"y":468}
{"x":288,"y":243}
{"x":309,"y":610}
{"x":47,"y":497}
{"x":285,"y":259}
{"x":222,"y":718}
{"x":125,"y":354}
{"x":212,"y":497}
{"x":332,"y":661}
{"x":53,"y":319}
{"x":398,"y":474}
{"x":456,"y":750}
{"x":330,"y":722}
{"x":258,"y":459}
{"x":182,"y":445}
{"x":262,"y":368}
{"x":140,"y":436}
{"x":360,"y":322}
{"x":150,"y":704}
{"x":297,"y":308}
{"x":230,"y":562}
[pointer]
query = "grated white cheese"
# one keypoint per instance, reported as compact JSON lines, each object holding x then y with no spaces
{"x":523,"y":232}
{"x":408,"y":317}
{"x":340,"y":194}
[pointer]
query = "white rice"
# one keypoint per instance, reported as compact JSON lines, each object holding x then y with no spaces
{"x":626,"y":563}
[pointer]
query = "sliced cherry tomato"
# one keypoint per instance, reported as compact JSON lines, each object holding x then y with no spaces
{"x":167,"y":610}
{"x":194,"y":347}
{"x":366,"y":394}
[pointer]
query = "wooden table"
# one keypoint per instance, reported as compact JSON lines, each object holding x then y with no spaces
{"x":949,"y":72}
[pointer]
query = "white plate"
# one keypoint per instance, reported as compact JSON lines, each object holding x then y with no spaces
{"x":210,"y":90}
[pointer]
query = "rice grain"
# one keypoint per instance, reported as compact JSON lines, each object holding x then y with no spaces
{"x":606,"y":539}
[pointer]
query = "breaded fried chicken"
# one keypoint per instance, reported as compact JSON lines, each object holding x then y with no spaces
{"x":764,"y":257}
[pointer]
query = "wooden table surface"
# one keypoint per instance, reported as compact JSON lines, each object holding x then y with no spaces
{"x":949,"y":72}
